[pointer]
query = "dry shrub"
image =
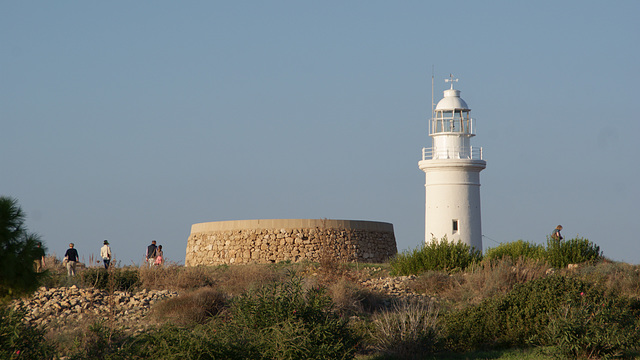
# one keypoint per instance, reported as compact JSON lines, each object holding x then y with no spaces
{"x":193,"y":307}
{"x":432,"y":282}
{"x":329,"y":268}
{"x":481,"y":281}
{"x":234,"y":279}
{"x":619,"y":277}
{"x":328,"y":275}
{"x":53,"y":264}
{"x":174,"y":277}
{"x":346,"y":296}
{"x":237,"y":279}
{"x":99,"y":339}
{"x":529,"y":269}
{"x":56,"y":273}
{"x":64,"y":336}
{"x":495,"y":277}
{"x":409,"y":330}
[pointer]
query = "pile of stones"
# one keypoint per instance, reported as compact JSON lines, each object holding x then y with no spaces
{"x":68,"y":306}
{"x":397,"y":289}
{"x":395,"y":286}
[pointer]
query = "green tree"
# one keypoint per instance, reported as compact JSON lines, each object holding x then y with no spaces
{"x":18,"y":251}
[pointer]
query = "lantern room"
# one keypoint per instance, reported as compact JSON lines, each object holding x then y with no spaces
{"x":451,"y":116}
{"x":451,"y":128}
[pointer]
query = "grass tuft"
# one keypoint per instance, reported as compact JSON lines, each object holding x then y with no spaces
{"x":191,"y":308}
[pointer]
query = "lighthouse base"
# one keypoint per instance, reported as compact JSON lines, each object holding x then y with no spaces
{"x":452,"y":202}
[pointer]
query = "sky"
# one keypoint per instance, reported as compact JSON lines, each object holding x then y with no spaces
{"x":131,"y":121}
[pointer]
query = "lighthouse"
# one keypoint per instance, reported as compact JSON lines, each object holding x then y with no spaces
{"x":452,"y":168}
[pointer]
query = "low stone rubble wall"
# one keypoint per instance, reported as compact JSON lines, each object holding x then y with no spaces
{"x":264,"y":241}
{"x":69,"y":305}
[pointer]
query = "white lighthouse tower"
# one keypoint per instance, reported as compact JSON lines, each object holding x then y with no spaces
{"x":452,"y":167}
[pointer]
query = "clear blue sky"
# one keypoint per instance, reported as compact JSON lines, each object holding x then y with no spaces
{"x":131,"y":121}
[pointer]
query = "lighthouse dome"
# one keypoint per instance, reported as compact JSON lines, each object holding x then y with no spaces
{"x":452,"y":101}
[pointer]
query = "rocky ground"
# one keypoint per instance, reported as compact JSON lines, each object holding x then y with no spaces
{"x":395,"y":286}
{"x":67,"y":307}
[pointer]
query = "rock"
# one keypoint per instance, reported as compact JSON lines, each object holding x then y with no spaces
{"x":67,"y":306}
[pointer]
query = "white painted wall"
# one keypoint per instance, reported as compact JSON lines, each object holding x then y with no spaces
{"x":452,"y":189}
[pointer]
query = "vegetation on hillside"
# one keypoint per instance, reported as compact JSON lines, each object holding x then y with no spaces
{"x":18,"y":251}
{"x":519,"y":299}
{"x":452,"y":255}
{"x":437,"y":255}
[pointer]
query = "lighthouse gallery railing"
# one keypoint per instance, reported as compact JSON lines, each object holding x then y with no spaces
{"x":470,"y":152}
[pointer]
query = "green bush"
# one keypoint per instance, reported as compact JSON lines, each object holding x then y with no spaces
{"x":593,"y":327}
{"x":576,"y":318}
{"x":291,"y":323}
{"x":52,"y":278}
{"x":169,"y":342}
{"x":100,"y":342}
{"x":574,"y":251}
{"x":516,"y":250}
{"x":21,"y":341}
{"x":557,"y":253}
{"x":515,"y":319}
{"x":120,"y":279}
{"x":436,"y":255}
{"x":278,"y":321}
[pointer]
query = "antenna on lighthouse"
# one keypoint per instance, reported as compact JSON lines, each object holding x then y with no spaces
{"x":432,"y":103}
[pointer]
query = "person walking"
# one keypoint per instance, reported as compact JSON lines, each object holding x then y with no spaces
{"x":159,"y":256}
{"x":151,"y":253}
{"x":105,"y":253}
{"x":39,"y":263}
{"x":71,"y":256}
{"x":555,"y":235}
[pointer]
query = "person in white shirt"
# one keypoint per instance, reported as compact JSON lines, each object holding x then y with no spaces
{"x":105,"y":253}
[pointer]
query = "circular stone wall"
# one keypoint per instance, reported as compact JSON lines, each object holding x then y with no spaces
{"x":264,"y":241}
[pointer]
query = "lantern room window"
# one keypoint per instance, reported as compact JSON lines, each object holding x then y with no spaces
{"x":457,"y":121}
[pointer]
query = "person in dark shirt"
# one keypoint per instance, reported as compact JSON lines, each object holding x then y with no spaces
{"x":151,"y":253}
{"x":71,"y":256}
{"x":555,"y":235}
{"x":40,"y":261}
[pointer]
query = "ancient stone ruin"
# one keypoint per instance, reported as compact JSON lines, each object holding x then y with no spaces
{"x":276,"y":240}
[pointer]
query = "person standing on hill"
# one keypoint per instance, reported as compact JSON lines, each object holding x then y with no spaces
{"x":39,"y":262}
{"x":159,"y":255}
{"x":105,"y":253}
{"x":151,"y":253}
{"x":71,"y":256}
{"x":555,"y":235}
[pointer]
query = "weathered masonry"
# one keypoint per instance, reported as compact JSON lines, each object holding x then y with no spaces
{"x":275,"y":240}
